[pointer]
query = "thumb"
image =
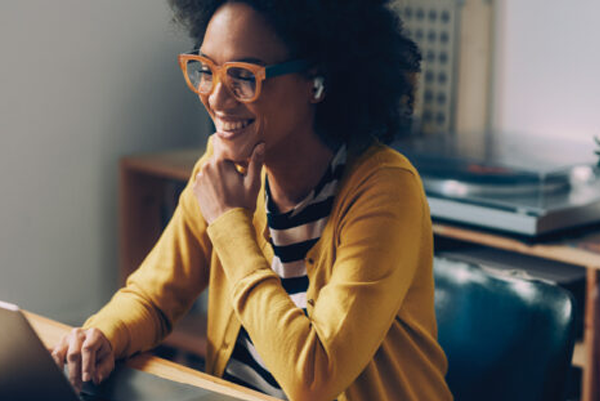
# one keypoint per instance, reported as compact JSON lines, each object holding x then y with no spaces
{"x":255,"y":165}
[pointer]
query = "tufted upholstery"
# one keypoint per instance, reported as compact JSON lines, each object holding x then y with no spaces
{"x":506,"y":338}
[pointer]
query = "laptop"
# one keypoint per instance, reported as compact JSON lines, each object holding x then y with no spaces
{"x":28,"y":372}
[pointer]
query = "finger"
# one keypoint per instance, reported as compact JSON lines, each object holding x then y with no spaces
{"x":60,"y":352}
{"x":105,"y":360}
{"x":104,"y":351}
{"x":88,"y":354}
{"x":217,"y":168}
{"x":74,"y":358}
{"x":224,"y":166}
{"x":104,"y":367}
{"x":255,"y":165}
{"x":199,"y":177}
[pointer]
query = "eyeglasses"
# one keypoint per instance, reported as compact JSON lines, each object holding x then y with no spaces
{"x":244,"y":80}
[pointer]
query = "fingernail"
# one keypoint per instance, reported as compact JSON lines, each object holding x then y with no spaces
{"x":86,"y":377}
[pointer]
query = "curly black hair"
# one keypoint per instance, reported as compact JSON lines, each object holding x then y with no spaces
{"x":359,"y":46}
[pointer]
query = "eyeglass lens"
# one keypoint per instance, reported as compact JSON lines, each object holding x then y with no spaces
{"x":240,"y":81}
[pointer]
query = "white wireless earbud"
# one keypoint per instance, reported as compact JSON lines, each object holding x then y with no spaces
{"x":319,"y":87}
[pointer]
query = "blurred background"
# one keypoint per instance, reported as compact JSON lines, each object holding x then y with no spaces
{"x":84,"y":83}
{"x":545,"y":71}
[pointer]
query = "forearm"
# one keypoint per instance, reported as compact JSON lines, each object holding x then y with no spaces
{"x":263,"y":306}
{"x":163,"y":288}
{"x":129,"y":323}
{"x":316,"y":356}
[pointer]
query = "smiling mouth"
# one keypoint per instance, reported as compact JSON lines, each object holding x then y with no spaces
{"x":231,"y":128}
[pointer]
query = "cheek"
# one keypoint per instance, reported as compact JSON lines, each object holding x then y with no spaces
{"x":204,"y":100}
{"x":287,"y":114}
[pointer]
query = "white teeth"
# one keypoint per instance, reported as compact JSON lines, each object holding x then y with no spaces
{"x":232,"y":126}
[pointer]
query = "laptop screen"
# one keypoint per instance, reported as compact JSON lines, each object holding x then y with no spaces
{"x":27,"y":371}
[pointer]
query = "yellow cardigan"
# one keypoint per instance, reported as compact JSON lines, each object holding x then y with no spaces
{"x":370,"y":333}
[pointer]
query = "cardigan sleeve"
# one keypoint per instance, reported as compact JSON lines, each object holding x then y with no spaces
{"x":380,"y":241}
{"x":165,"y":285}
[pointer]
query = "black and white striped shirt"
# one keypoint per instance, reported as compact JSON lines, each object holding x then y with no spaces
{"x":292,"y":233}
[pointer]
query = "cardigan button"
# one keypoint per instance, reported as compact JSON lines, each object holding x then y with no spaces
{"x":310,"y":261}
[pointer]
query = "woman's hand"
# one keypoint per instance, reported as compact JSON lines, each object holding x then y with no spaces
{"x":220,"y":187}
{"x":88,"y":354}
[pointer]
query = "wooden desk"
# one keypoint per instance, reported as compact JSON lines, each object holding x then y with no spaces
{"x":51,"y":332}
{"x":143,"y":179}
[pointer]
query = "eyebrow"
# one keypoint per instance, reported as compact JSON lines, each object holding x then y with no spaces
{"x":244,"y":60}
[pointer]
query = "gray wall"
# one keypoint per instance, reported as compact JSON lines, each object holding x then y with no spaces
{"x":82,"y":83}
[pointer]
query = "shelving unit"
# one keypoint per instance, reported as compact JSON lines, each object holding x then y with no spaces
{"x":145,"y":178}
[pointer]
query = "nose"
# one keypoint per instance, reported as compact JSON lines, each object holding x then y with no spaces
{"x":221,"y":98}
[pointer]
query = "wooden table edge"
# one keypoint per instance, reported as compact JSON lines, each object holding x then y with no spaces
{"x":50,"y":332}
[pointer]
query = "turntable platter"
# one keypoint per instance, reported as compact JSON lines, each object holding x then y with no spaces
{"x":459,"y":178}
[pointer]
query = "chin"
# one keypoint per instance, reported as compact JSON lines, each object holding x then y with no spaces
{"x":238,"y":146}
{"x":237,"y":150}
{"x":238,"y":154}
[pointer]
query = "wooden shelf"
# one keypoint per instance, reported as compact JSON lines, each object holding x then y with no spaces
{"x":578,"y":359}
{"x":143,"y":180}
{"x":175,"y":164}
{"x":558,"y":250}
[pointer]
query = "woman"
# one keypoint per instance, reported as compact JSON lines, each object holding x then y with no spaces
{"x":314,"y":238}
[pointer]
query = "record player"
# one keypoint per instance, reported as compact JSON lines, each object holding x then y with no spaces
{"x":519,"y":184}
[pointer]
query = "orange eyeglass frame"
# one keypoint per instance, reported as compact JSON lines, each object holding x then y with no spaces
{"x":219,"y":72}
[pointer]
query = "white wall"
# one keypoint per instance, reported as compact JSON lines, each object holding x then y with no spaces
{"x":82,"y":83}
{"x":547,"y":68}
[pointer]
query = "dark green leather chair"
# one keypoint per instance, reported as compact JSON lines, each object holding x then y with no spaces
{"x":506,"y":338}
